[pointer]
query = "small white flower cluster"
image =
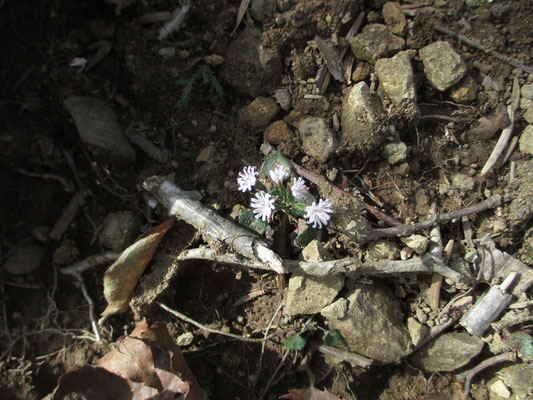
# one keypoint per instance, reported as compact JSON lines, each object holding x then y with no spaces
{"x":263,"y":204}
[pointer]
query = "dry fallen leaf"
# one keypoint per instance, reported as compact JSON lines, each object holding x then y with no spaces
{"x":240,"y":14}
{"x":121,"y":278}
{"x":120,"y":4}
{"x":144,"y":365}
{"x":309,"y":394}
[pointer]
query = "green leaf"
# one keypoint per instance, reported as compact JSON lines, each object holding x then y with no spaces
{"x":298,"y":209}
{"x":307,"y":237}
{"x":247,"y":219}
{"x":186,"y":95}
{"x":295,"y":342}
{"x":218,"y":87}
{"x":522,"y":342}
{"x":332,"y":338}
{"x":183,"y":82}
{"x":275,"y":159}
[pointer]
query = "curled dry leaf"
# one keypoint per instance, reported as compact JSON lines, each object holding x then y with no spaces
{"x":121,"y":278}
{"x":145,"y":365}
{"x":309,"y":394}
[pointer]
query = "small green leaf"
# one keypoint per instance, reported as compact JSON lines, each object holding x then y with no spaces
{"x":248,"y":220}
{"x":275,"y":159}
{"x":183,"y":82}
{"x":295,"y":342}
{"x":307,"y":237}
{"x":332,"y":338}
{"x":299,"y":209}
{"x":522,"y":342}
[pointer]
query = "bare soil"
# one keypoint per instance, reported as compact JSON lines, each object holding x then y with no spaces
{"x":45,"y":324}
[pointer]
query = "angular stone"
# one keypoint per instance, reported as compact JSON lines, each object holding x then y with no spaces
{"x":443,"y":67}
{"x":278,"y":132}
{"x":283,"y":98}
{"x":206,"y":154}
{"x":382,"y":249}
{"x":99,"y":128}
{"x":362,"y":120}
{"x":394,"y":18}
{"x":448,"y":352}
{"x":526,"y":140}
{"x":259,"y":113}
{"x":372,"y":325}
{"x":318,"y":139}
{"x":375,"y":42}
{"x":518,"y":377}
{"x":262,"y":9}
{"x":250,"y":67}
{"x":119,"y":230}
{"x":396,"y":78}
{"x":463,"y":182}
{"x":465,"y":91}
{"x":395,"y":152}
{"x":25,"y":259}
{"x":526,"y":92}
{"x":417,"y":330}
{"x":417,"y":243}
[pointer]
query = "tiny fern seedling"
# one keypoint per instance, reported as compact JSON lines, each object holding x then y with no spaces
{"x":294,"y":200}
{"x":207,"y":76}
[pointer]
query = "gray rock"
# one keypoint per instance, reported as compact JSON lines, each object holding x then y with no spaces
{"x":526,"y":140}
{"x":363,"y":121}
{"x":262,"y":10}
{"x":521,"y":207}
{"x":99,"y":129}
{"x":463,"y":182}
{"x":526,"y":92}
{"x":417,"y":331}
{"x":318,"y":139}
{"x":250,"y":67}
{"x":528,"y":115}
{"x":395,"y":152}
{"x":284,"y":99}
{"x":418,"y":243}
{"x":167,"y":52}
{"x":382,"y":249}
{"x":206,"y":154}
{"x":349,"y":219}
{"x":259,"y":113}
{"x":448,"y":352}
{"x":396,"y":78}
{"x":443,"y":67}
{"x":310,"y":294}
{"x":518,"y":377}
{"x":375,"y":42}
{"x":372,"y":325}
{"x":25,"y":259}
{"x":119,"y":230}
{"x":394,"y":18}
{"x":500,"y":389}
{"x":336,"y":310}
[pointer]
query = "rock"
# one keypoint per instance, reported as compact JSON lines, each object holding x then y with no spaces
{"x":206,"y":154}
{"x":336,"y":310}
{"x":262,"y":10}
{"x":526,"y":92}
{"x":382,"y":249}
{"x":41,"y":233}
{"x":418,"y":243}
{"x":499,"y":389}
{"x":250,"y":67}
{"x":528,"y":115}
{"x":167,"y":52}
{"x":278,"y":132}
{"x":443,"y":67}
{"x":417,"y":331}
{"x":463,"y":182}
{"x":465,"y":91}
{"x":526,"y":104}
{"x":25,"y":259}
{"x":372,"y":325}
{"x":521,"y":207}
{"x":375,"y":42}
{"x":518,"y":377}
{"x":447,"y":352}
{"x":394,"y":18}
{"x":66,"y":253}
{"x":396,"y":78}
{"x":318,"y":139}
{"x":259,"y":113}
{"x":185,"y":339}
{"x":362,"y":121}
{"x":99,"y":129}
{"x":526,"y":140}
{"x":119,"y":230}
{"x":284,"y":99}
{"x":395,"y":152}
{"x":349,"y":219}
{"x":310,"y":294}
{"x":361,"y":71}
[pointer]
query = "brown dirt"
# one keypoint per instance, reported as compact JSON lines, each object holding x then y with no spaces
{"x":45,"y":323}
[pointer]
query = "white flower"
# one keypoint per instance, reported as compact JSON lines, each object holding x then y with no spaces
{"x":247,"y":179}
{"x":298,"y":189}
{"x":279,"y":174}
{"x":318,"y":214}
{"x":263,"y":205}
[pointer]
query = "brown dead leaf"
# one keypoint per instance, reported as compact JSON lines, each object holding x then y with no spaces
{"x":240,"y":14}
{"x":121,"y":278}
{"x":309,"y":394}
{"x":331,"y":58}
{"x":144,"y":365}
{"x":488,"y":126}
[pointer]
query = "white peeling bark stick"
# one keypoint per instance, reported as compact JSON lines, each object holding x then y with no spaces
{"x":181,"y":205}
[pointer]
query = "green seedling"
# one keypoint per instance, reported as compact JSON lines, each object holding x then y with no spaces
{"x":207,"y":77}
